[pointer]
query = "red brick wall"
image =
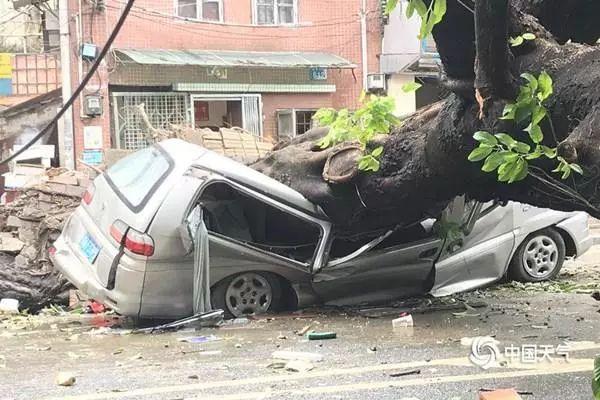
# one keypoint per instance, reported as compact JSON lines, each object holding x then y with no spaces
{"x":331,"y":26}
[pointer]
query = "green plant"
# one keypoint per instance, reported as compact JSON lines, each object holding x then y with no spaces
{"x":519,"y":40}
{"x":429,"y":15}
{"x":511,"y":157}
{"x":596,"y":379}
{"x":411,"y":87}
{"x":375,"y":116}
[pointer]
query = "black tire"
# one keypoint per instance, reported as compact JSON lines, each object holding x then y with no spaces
{"x":522,"y":267}
{"x":218,"y":293}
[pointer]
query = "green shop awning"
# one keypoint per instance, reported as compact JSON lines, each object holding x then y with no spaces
{"x":280,"y":59}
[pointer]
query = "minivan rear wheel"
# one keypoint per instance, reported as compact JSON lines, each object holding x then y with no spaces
{"x":248,"y":293}
{"x":539,"y":258}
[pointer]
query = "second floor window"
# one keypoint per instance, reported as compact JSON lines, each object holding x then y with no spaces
{"x":207,"y":10}
{"x":275,"y":12}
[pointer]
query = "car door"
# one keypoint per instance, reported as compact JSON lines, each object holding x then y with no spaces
{"x":481,"y":256}
{"x":380,"y":270}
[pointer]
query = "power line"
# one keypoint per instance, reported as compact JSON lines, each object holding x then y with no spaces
{"x":81,"y":86}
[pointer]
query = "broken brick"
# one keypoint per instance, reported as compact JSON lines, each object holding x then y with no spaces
{"x":500,"y":394}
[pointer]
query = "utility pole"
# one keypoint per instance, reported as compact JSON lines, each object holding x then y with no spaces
{"x":363,"y":42}
{"x":65,"y":126}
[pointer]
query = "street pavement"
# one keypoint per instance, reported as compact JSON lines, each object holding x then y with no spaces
{"x":546,"y":345}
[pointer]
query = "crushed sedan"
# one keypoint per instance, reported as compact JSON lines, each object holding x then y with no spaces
{"x":270,"y":248}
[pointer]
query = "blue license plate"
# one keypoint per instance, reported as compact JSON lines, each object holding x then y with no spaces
{"x":89,"y":248}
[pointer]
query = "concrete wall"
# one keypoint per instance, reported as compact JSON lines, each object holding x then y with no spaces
{"x":405,"y":102}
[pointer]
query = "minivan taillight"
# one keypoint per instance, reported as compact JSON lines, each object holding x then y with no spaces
{"x":89,"y":194}
{"x":134,"y":241}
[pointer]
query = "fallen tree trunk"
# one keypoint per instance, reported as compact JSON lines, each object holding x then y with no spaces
{"x":424,"y":163}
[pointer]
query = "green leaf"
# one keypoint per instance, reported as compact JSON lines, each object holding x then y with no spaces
{"x":577,"y":168}
{"x":411,"y":87}
{"x":538,"y":115}
{"x":494,"y":161}
{"x":325,"y":116}
{"x":522,"y":148}
{"x":535,"y":133}
{"x":479,"y":153}
{"x":391,"y":5}
{"x":545,"y":84}
{"x":439,"y":10}
{"x":528,"y":36}
{"x":420,"y":7}
{"x":533,"y":82}
{"x":485,"y":137}
{"x":506,"y":140}
{"x":426,"y":26}
{"x":548,"y":152}
{"x":504,"y":171}
{"x":410,"y":9}
{"x":509,"y":111}
{"x":377,"y":152}
{"x":596,"y":379}
{"x":368,"y":163}
{"x":519,"y":172}
{"x":517,"y":41}
{"x":566,"y":173}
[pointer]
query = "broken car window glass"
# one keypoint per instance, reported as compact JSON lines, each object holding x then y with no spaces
{"x":233,"y":214}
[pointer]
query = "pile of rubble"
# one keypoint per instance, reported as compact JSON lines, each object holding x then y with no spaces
{"x":29,"y":225}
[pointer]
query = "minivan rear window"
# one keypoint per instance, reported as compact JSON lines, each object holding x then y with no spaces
{"x":136,"y":177}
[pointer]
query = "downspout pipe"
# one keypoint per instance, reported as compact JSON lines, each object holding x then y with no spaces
{"x":363,"y":43}
{"x":65,"y":128}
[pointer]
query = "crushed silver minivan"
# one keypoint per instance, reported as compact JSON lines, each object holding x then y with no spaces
{"x":271,"y":248}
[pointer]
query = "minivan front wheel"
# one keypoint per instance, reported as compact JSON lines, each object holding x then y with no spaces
{"x":540,"y":257}
{"x":248,"y":293}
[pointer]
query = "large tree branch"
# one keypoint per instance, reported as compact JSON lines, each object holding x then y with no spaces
{"x":492,"y":76}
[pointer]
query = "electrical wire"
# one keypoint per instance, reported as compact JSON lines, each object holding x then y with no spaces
{"x":79,"y":88}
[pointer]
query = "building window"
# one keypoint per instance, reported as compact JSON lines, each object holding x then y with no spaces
{"x":205,"y":10}
{"x":291,"y":123}
{"x":275,"y":12}
{"x":304,"y":121}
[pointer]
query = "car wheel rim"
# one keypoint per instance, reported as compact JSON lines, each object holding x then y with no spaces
{"x":248,"y":294}
{"x":540,"y":257}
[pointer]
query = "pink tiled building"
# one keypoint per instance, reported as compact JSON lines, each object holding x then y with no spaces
{"x":264,"y":65}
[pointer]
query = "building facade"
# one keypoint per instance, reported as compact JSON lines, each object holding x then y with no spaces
{"x":405,"y":59}
{"x":263,"y":65}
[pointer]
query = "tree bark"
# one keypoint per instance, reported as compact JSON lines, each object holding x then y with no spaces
{"x":424,"y":163}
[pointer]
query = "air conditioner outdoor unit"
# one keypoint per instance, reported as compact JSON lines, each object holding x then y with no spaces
{"x":376,"y":82}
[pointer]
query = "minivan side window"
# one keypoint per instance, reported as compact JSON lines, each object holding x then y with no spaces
{"x":236,"y":215}
{"x":135,"y":177}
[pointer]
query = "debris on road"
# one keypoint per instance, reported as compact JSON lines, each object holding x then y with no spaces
{"x":500,"y":394}
{"x":404,"y":321}
{"x":404,"y":373}
{"x":312,"y":335}
{"x":210,"y":318}
{"x":65,"y":379}
{"x":199,"y":339}
{"x":299,"y":366}
{"x":303,"y":331}
{"x":297,"y":355}
{"x":9,"y":306}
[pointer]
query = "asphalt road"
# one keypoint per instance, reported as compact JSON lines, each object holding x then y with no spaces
{"x":361,"y":363}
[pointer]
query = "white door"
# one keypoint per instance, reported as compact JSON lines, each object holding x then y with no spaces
{"x":251,"y":109}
